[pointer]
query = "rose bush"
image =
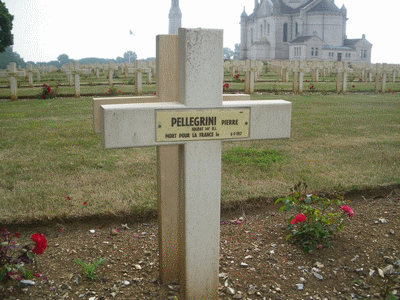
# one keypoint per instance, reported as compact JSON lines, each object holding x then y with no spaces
{"x":14,"y":257}
{"x":315,"y":219}
{"x":47,"y":92}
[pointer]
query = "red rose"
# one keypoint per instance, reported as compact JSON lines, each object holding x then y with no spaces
{"x":300,"y":218}
{"x":17,"y":234}
{"x":43,"y":96}
{"x":348,"y":210}
{"x":48,"y":89}
{"x":41,"y":243}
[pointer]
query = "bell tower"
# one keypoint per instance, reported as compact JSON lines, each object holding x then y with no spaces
{"x":175,"y":17}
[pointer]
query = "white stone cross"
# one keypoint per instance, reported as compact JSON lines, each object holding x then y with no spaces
{"x":30,"y":75}
{"x":250,"y":70}
{"x":111,"y":68}
{"x":341,"y":77}
{"x":75,"y":72}
{"x":198,"y":124}
{"x":138,"y":77}
{"x":167,"y":156}
{"x":12,"y":73}
{"x":298,"y":76}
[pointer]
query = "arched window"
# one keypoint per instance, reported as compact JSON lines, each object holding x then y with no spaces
{"x":285,"y":32}
{"x":268,"y":29}
{"x":297,"y":29}
{"x":261,"y":30}
{"x":252,"y":35}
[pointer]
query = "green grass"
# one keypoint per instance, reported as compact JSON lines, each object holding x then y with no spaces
{"x":52,"y":164}
{"x":251,"y":157}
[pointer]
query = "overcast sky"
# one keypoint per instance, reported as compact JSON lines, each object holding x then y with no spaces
{"x":44,"y":29}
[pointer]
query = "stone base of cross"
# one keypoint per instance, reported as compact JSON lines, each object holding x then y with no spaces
{"x":198,"y":123}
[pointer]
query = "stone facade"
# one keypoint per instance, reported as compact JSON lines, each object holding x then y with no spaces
{"x":300,"y":30}
{"x":175,"y":17}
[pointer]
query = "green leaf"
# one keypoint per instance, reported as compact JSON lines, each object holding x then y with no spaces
{"x":30,"y":255}
{"x":282,"y":208}
{"x":28,"y":274}
{"x":3,"y":273}
{"x":288,"y":237}
{"x":278,"y":200}
{"x":90,"y":269}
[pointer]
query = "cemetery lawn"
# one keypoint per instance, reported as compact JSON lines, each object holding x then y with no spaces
{"x":56,"y":179}
{"x":52,"y":165}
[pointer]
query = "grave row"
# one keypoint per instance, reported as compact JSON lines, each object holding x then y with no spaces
{"x":73,"y":72}
{"x":378,"y":73}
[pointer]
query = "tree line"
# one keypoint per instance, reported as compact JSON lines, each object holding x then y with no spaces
{"x":10,"y":56}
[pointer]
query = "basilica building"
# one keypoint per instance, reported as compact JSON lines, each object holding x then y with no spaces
{"x":300,"y":30}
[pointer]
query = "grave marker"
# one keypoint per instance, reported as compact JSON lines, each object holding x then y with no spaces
{"x":12,"y":73}
{"x":111,"y":68}
{"x":200,"y":75}
{"x":74,"y":73}
{"x":30,"y":75}
{"x":250,"y":70}
{"x":167,"y":156}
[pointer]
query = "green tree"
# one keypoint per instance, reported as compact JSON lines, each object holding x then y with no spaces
{"x":228,"y":53}
{"x":130,"y":56}
{"x":64,"y":59}
{"x":6,"y":19}
{"x":9,"y":56}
